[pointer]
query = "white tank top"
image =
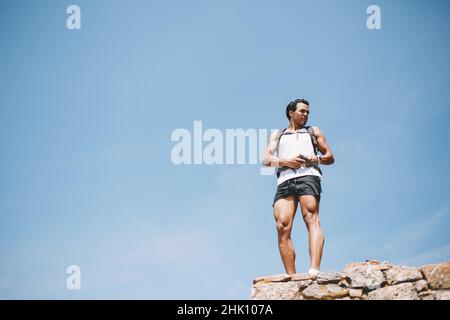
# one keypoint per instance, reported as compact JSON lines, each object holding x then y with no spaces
{"x":291,"y":144}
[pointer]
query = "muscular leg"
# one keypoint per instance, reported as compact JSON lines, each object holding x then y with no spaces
{"x":310,"y":212}
{"x":284,"y":212}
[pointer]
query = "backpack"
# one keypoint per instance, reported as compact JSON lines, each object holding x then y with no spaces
{"x":313,"y":140}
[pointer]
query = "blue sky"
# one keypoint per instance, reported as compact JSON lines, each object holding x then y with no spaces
{"x":87,"y":115}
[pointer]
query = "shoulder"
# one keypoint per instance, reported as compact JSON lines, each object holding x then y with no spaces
{"x":317,"y":131}
{"x":275,"y":133}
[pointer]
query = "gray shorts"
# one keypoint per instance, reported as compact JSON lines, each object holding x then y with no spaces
{"x":305,"y":185}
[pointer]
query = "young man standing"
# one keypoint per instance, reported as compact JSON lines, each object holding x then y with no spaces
{"x":299,"y":181}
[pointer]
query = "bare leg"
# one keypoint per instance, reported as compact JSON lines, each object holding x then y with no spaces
{"x":310,"y":212}
{"x":284,"y":212}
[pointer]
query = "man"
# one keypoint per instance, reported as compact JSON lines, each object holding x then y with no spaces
{"x":299,"y":181}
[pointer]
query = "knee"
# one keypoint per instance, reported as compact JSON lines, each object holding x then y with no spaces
{"x":311,"y":218}
{"x":283,"y":228}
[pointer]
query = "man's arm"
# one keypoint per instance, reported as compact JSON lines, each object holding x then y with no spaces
{"x":327,"y":156}
{"x":270,"y":160}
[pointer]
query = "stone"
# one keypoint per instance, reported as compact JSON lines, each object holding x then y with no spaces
{"x":443,"y":295}
{"x":384,"y":267}
{"x":273,"y":278}
{"x":373,"y":280}
{"x":345,"y":283}
{"x":437,"y":275}
{"x":421,"y":285}
{"x":301,"y":276}
{"x":373,"y":263}
{"x":324,"y":292}
{"x":370,"y":261}
{"x":426,"y":295}
{"x":328,"y":277}
{"x":355,"y":293}
{"x":276,"y":291}
{"x":304,"y":283}
{"x":303,"y":279}
{"x":399,"y":274}
{"x":402,"y":291}
{"x":365,"y":276}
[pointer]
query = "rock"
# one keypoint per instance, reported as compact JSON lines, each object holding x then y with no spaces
{"x":426,"y":295}
{"x":365,"y":276}
{"x":371,"y":280}
{"x":303,"y":279}
{"x":345,"y":283}
{"x":329,"y":277}
{"x":276,"y":291}
{"x":397,"y":275}
{"x":355,"y":293}
{"x":437,"y":275}
{"x":302,"y":276}
{"x":304,"y":283}
{"x":384,"y":267}
{"x":370,"y":261}
{"x":373,"y":263}
{"x":273,"y":278}
{"x":324,"y":292}
{"x":443,"y":295}
{"x":421,"y":285}
{"x":403,"y":291}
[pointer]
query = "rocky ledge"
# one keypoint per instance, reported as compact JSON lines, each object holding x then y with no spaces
{"x":370,"y":280}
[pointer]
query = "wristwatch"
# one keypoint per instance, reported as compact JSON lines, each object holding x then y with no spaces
{"x":319,"y":159}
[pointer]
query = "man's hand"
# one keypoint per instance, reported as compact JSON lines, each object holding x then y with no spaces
{"x":312,"y":161}
{"x":293,"y":163}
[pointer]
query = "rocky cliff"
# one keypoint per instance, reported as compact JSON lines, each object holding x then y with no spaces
{"x":370,"y":280}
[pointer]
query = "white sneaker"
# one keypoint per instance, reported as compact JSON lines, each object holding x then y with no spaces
{"x":313,"y":272}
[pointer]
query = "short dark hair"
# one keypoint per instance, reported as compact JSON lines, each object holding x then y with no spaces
{"x":292,"y":106}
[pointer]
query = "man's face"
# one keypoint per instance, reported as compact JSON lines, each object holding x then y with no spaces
{"x":301,"y":114}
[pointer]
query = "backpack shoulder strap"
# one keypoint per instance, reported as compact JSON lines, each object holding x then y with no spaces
{"x":314,"y":142}
{"x":313,"y":138}
{"x":280,"y":133}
